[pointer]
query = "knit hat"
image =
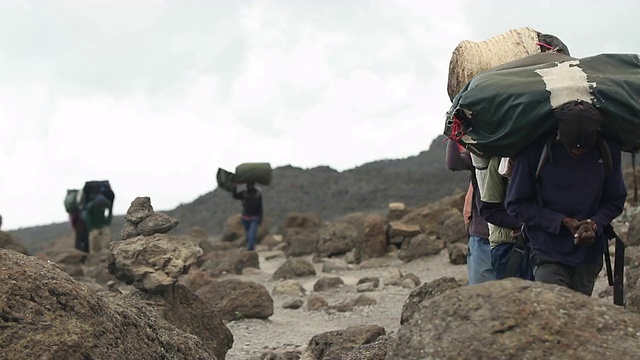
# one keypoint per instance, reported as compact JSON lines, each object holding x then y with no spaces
{"x":578,"y":124}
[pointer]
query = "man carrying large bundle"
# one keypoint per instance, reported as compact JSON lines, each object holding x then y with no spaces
{"x":251,"y":197}
{"x":489,"y":241}
{"x":252,"y":212}
{"x":566,"y":190}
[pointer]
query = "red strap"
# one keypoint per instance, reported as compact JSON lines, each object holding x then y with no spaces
{"x":547,"y":46}
{"x":456,"y":130}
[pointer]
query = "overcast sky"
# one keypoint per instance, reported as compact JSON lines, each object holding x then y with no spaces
{"x":155,"y":96}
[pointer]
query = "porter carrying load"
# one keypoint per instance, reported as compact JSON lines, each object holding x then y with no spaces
{"x":259,"y":173}
{"x":503,"y":109}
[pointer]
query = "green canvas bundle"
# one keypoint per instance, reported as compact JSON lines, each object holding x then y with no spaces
{"x":259,"y":173}
{"x":503,"y":109}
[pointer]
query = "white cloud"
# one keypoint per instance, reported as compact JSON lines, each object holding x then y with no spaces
{"x":156,"y":95}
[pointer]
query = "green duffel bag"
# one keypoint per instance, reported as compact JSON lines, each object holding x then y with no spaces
{"x":226,"y":180}
{"x":253,"y":172}
{"x":503,"y":109}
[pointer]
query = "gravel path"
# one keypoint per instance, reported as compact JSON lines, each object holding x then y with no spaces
{"x":289,"y":329}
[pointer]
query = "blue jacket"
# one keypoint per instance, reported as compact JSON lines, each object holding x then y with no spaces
{"x":574,"y":187}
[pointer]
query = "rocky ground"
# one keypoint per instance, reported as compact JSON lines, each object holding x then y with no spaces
{"x":291,"y":329}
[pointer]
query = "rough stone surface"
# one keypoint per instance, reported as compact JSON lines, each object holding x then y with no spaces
{"x":235,"y":299}
{"x":294,"y":268}
{"x":157,"y":223}
{"x":152,"y":262}
{"x":186,"y":311}
{"x":139,"y":210}
{"x":419,"y":246}
{"x":517,"y":319}
{"x":45,"y":314}
{"x":333,"y":344}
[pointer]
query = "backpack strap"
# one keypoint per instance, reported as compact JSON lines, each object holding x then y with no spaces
{"x":635,"y":183}
{"x":518,"y":251}
{"x":615,"y":277}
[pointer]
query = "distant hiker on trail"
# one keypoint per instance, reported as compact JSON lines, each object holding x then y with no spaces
{"x":251,"y":212}
{"x":479,"y":255}
{"x":566,"y":189}
{"x":86,"y":209}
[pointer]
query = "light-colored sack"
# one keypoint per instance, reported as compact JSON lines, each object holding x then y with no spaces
{"x":469,"y":57}
{"x":506,"y":167}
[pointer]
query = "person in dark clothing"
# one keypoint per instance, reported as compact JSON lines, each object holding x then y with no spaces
{"x":577,"y":191}
{"x":479,"y":267}
{"x":81,"y":231}
{"x":251,"y":212}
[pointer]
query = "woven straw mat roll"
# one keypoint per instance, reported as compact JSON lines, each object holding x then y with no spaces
{"x":469,"y":57}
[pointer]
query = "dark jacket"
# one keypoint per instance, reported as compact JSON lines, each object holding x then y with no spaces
{"x":575,"y":187}
{"x":457,"y":160}
{"x":251,"y":202}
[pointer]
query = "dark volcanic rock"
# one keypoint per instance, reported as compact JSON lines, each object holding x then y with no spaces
{"x":45,"y":314}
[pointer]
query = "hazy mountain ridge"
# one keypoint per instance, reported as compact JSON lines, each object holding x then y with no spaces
{"x":415,"y":180}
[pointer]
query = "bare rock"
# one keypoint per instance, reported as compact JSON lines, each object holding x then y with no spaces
{"x":376,"y":350}
{"x":402,"y":230}
{"x":157,"y":223}
{"x":60,"y":318}
{"x":293,"y":304}
{"x":316,"y":302}
{"x":195,"y":279}
{"x":632,"y":279}
{"x":458,"y":253}
{"x":633,"y":234}
{"x":139,"y":210}
{"x":289,"y":287}
{"x":337,"y":238}
{"x":128,"y":231}
{"x":326,"y":283}
{"x":334,"y":265}
{"x":364,"y":300}
{"x":374,"y":242}
{"x":391,"y":276}
{"x":375,"y":281}
{"x":412,"y":277}
{"x":187,"y":312}
{"x":152,"y":262}
{"x":229,"y":261}
{"x":294,"y":268}
{"x":453,"y":230}
{"x":280,"y":355}
{"x":299,"y":241}
{"x":517,"y":319}
{"x":302,"y":221}
{"x":334,"y":344}
{"x":420,"y":246}
{"x":235,"y":299}
{"x":425,"y":292}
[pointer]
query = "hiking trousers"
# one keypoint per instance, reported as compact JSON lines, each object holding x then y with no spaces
{"x":479,"y":261}
{"x":500,"y":255}
{"x":251,"y":231}
{"x":580,"y":278}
